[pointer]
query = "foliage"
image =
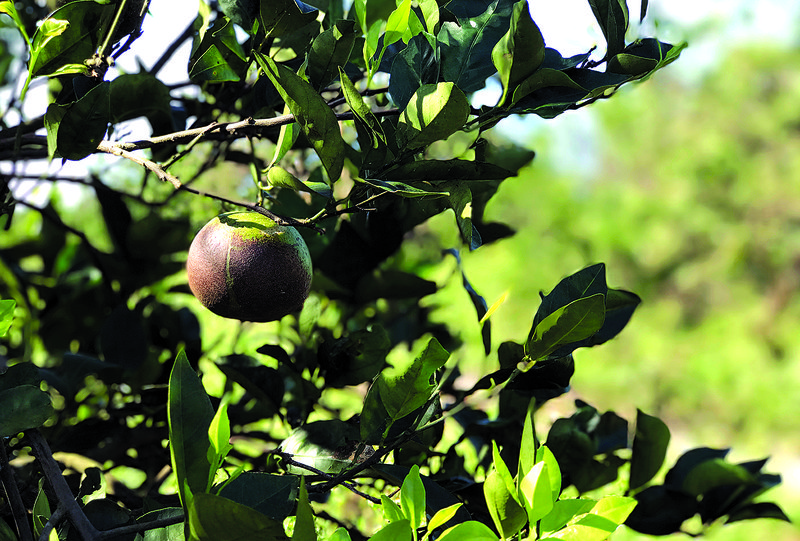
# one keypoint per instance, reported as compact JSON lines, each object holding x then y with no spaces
{"x":105,"y":342}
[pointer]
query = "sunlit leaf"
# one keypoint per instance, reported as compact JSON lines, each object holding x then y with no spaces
{"x":312,"y":113}
{"x":189,"y":414}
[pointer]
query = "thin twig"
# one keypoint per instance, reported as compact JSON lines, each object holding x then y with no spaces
{"x":13,"y":497}
{"x":350,"y":486}
{"x":140,"y":527}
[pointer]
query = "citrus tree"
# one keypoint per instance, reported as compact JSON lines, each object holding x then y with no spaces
{"x":334,"y":134}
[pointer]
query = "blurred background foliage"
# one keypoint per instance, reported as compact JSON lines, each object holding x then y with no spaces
{"x":686,"y":188}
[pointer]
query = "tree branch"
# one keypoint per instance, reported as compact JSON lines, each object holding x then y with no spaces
{"x":63,"y":493}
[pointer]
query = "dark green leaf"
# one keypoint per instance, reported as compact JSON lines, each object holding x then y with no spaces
{"x":584,"y":283}
{"x":311,"y":112}
{"x":242,"y":12}
{"x":174,"y":532}
{"x":413,"y":67}
{"x":758,"y":510}
{"x":712,"y":473}
{"x":399,"y":390}
{"x":214,"y":518}
{"x":661,"y":510}
{"x":23,"y":407}
{"x":77,"y":128}
{"x":612,"y":15}
{"x":466,"y":45}
{"x":217,"y":56}
{"x":273,"y":495}
{"x":135,"y":95}
{"x":281,"y":17}
{"x":25,"y":373}
{"x":355,"y":358}
{"x":371,"y":137}
{"x":649,"y":449}
{"x":330,"y":51}
{"x":679,"y":473}
{"x":519,"y":52}
{"x":189,"y":414}
{"x":105,"y":514}
{"x":447,"y":171}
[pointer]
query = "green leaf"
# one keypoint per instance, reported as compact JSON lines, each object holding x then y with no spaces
{"x":414,"y":66}
{"x":391,"y":511}
{"x":329,"y":52}
{"x":304,"y":529}
{"x":219,"y":435}
{"x":502,"y":498}
{"x":214,"y":518}
{"x":443,"y":516}
{"x":471,"y":530}
{"x":574,"y":322}
{"x":466,"y":44}
{"x":412,"y":498}
{"x":519,"y":53}
{"x":217,"y":56}
{"x":544,"y":454}
{"x":135,"y":95}
{"x":173,"y":532}
{"x":189,"y":414}
{"x":599,"y":523}
{"x":433,"y":114}
{"x":612,"y":15}
{"x":282,"y":17}
{"x":7,"y":7}
{"x":242,"y":12}
{"x":278,"y":176}
{"x":271,"y":494}
{"x":758,"y":510}
{"x":714,"y":473}
{"x":23,"y":407}
{"x":311,"y":112}
{"x":535,"y":492}
{"x":7,"y":307}
{"x":527,"y":448}
{"x":447,"y":171}
{"x":400,"y":389}
{"x":584,"y":283}
{"x":399,"y":530}
{"x":339,"y":534}
{"x":41,"y":510}
{"x":643,"y":57}
{"x":401,"y":188}
{"x":564,"y":511}
{"x":397,"y":25}
{"x":77,"y":128}
{"x":649,"y":449}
